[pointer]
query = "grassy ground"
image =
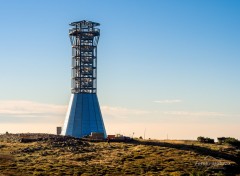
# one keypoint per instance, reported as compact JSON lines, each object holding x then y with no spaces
{"x":62,"y":156}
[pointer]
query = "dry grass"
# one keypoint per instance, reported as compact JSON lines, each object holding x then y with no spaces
{"x":135,"y":158}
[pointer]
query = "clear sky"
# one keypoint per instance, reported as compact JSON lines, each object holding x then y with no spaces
{"x":169,"y":68}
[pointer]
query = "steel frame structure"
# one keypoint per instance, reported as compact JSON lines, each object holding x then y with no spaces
{"x":84,"y":38}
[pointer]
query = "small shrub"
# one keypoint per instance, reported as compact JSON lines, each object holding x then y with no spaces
{"x":200,"y":139}
{"x":209,"y":140}
{"x":229,"y":140}
{"x":205,"y":140}
{"x":221,"y":140}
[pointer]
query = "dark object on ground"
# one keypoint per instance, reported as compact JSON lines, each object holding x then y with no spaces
{"x":205,"y":140}
{"x":229,"y":140}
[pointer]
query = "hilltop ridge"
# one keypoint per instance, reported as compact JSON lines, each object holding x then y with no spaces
{"x":47,"y":154}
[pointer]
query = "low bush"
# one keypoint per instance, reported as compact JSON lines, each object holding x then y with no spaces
{"x":229,"y":140}
{"x":205,"y":140}
{"x":200,"y":139}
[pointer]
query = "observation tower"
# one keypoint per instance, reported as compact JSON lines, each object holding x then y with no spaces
{"x":84,"y":115}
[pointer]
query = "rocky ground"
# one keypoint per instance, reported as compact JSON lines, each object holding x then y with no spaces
{"x":45,"y":154}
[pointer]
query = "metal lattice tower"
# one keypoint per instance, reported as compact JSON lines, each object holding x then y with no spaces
{"x":84,"y":39}
{"x":84,"y":114}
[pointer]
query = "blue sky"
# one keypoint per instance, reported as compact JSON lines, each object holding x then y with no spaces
{"x":170,"y":67}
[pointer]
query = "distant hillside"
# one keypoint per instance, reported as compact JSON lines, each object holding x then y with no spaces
{"x":43,"y":154}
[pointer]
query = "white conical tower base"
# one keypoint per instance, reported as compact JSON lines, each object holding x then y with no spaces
{"x":83,"y":116}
